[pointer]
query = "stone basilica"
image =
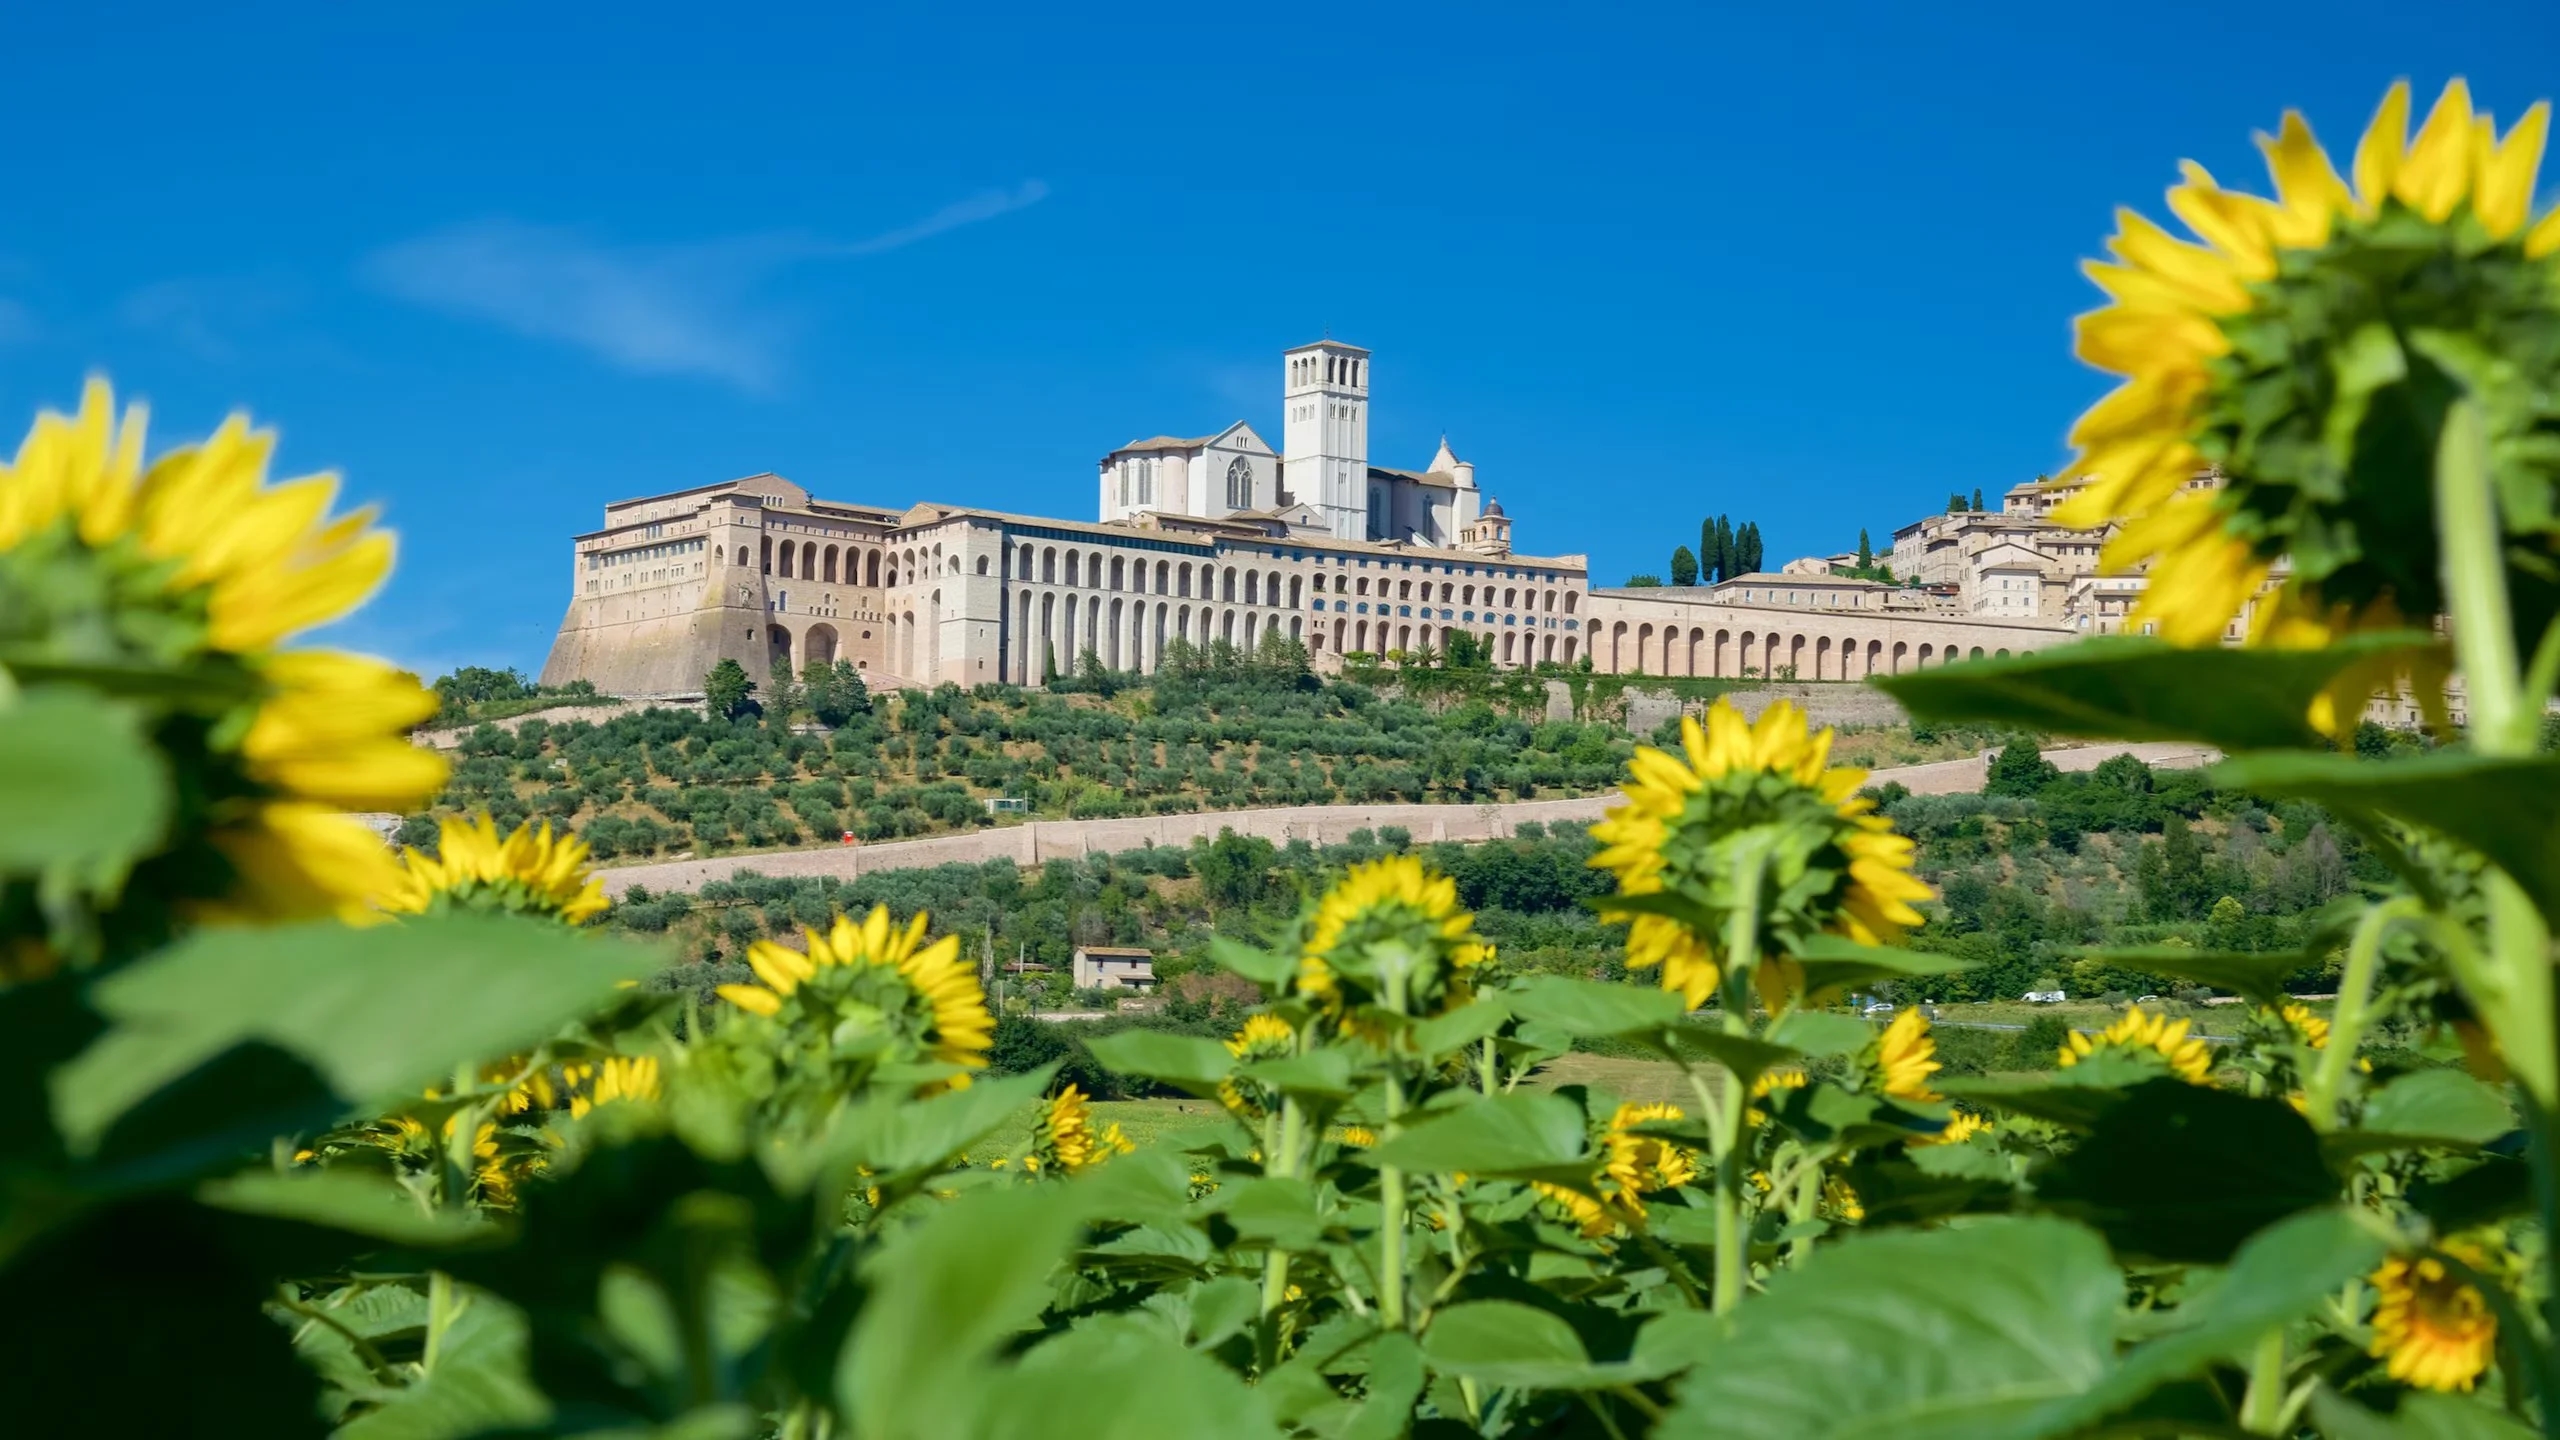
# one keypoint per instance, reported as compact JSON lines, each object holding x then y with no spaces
{"x":1208,"y":538}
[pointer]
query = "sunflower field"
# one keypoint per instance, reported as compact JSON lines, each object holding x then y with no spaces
{"x":300,"y":1136}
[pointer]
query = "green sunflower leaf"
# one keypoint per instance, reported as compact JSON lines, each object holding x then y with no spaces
{"x":1965,"y":1333}
{"x":374,"y":1013}
{"x":82,"y":792}
{"x":1322,"y":1074}
{"x":2130,"y":687}
{"x":2076,"y":1097}
{"x":1507,"y":1343}
{"x":1188,"y":1062}
{"x":1263,"y":967}
{"x":2281,"y":1274}
{"x":944,"y":1300}
{"x":2186,"y":1173}
{"x":1590,"y":1008}
{"x":2421,"y":1416}
{"x":1115,"y":1378}
{"x":2508,"y":810}
{"x":1528,"y":1136}
{"x":2431,"y":1107}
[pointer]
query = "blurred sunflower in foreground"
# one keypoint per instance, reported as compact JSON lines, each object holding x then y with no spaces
{"x":2431,"y":1328}
{"x":529,"y":870}
{"x":1748,"y":815}
{"x":2309,"y":347}
{"x":168,"y":587}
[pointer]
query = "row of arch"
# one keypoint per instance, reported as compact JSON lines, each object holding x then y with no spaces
{"x":1091,"y":569}
{"x":846,"y":564}
{"x":1507,"y":647}
{"x":1051,"y":632}
{"x":1670,"y":650}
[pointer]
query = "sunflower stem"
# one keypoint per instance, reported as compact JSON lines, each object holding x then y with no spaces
{"x":2504,"y":721}
{"x":2355,"y":992}
{"x":1742,"y":952}
{"x":2262,"y":1406}
{"x":1391,"y":1197}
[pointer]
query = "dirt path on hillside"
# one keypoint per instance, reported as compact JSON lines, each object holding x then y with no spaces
{"x":1039,"y":840}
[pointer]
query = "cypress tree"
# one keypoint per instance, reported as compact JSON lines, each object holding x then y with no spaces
{"x":1707,"y":553}
{"x":1684,"y":567}
{"x":1977,"y":499}
{"x":1726,"y":567}
{"x":1866,"y":552}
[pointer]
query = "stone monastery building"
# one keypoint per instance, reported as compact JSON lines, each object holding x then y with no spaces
{"x":1208,"y":538}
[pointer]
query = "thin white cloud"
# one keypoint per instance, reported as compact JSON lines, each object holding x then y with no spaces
{"x":986,"y":205}
{"x":689,"y":309}
{"x":658,"y":310}
{"x":203,"y":314}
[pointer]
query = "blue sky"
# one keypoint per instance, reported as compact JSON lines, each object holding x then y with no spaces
{"x":498,"y":264}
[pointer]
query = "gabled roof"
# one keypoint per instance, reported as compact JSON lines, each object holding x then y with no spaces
{"x":1162,"y":444}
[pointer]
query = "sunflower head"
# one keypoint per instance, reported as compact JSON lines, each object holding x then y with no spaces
{"x":2304,"y":349}
{"x":866,"y":995}
{"x":614,"y":1078}
{"x":1390,"y":936}
{"x":1903,"y":1058}
{"x":1962,"y":1126}
{"x":1757,"y":797}
{"x":2431,"y":1329}
{"x":1262,"y":1037}
{"x":529,"y":870}
{"x":2150,"y":1037}
{"x":1064,"y":1139}
{"x":169,"y":586}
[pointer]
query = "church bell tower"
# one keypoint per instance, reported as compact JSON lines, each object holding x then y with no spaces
{"x":1324,"y":461}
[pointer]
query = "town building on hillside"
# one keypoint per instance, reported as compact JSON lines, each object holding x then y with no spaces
{"x":1802,"y":590}
{"x":1819,"y":564}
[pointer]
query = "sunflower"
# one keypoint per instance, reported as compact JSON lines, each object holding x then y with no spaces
{"x":194,"y":569}
{"x":1769,"y":1082}
{"x":2142,"y":1032}
{"x":616,"y":1077}
{"x":1632,"y":1166}
{"x":933,"y":1001}
{"x":1905,"y":1057}
{"x":2432,"y":1330}
{"x":1390,"y":933}
{"x":1064,"y":1140}
{"x":1263,"y":1037}
{"x":2268,"y":354}
{"x":1638,"y":1164}
{"x":1836,"y":866}
{"x":529,"y":870}
{"x":1963,"y":1126}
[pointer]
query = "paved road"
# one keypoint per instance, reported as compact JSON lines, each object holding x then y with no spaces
{"x":1040,"y":840}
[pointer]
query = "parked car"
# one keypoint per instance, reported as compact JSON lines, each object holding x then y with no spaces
{"x":2045,"y":997}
